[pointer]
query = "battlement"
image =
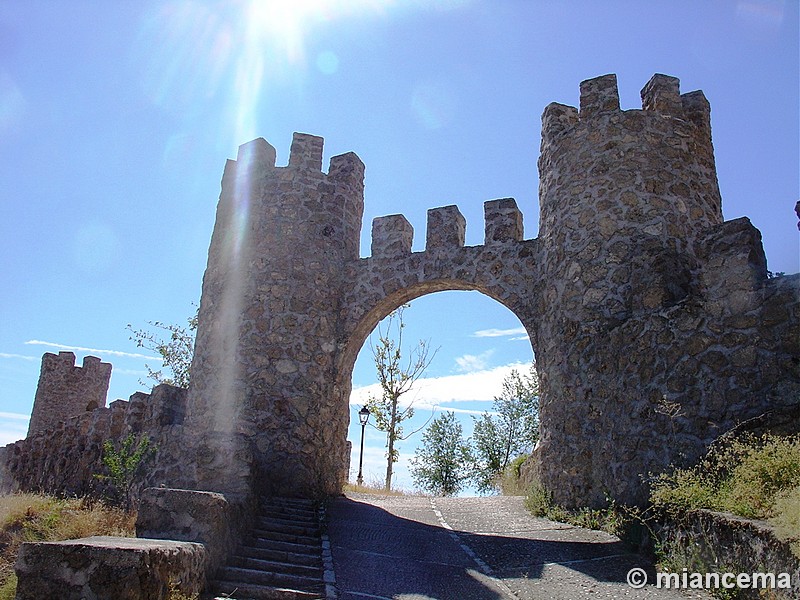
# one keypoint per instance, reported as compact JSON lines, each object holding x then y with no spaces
{"x":600,"y":96}
{"x":305,"y":155}
{"x":393,"y":235}
{"x":608,"y":172}
{"x":66,"y":391}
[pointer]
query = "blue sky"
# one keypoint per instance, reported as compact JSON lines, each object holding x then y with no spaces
{"x":116,"y":120}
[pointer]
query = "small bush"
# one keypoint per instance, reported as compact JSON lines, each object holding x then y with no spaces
{"x":175,"y":593}
{"x":509,"y":482}
{"x":539,"y":500}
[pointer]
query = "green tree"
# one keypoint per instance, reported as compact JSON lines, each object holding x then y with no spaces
{"x":396,"y":377}
{"x":124,"y":466}
{"x":175,"y":345}
{"x":510,"y":430}
{"x":444,"y":463}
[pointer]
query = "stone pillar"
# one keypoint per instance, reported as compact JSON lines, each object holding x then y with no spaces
{"x":263,"y":375}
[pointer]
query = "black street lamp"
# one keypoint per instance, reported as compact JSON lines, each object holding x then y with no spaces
{"x":363,"y":417}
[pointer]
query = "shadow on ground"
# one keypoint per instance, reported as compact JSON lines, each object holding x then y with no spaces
{"x":406,"y":553}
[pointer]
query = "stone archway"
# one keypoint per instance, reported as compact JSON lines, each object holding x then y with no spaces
{"x":635,"y":294}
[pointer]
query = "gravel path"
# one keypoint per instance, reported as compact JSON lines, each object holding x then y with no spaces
{"x":414,"y":547}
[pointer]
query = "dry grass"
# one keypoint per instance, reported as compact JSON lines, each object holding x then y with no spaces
{"x":786,"y":519}
{"x":35,"y":518}
{"x":375,"y":490}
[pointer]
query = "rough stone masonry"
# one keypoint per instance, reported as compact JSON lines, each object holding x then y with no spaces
{"x":655,"y":325}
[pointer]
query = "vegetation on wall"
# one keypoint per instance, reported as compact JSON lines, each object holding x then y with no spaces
{"x":124,"y":462}
{"x":174,"y":345}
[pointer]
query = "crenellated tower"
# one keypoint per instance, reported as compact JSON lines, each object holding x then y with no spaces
{"x":66,"y":391}
{"x":614,"y":184}
{"x":266,"y":339}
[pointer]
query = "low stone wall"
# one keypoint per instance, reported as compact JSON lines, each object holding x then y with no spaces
{"x":714,"y":542}
{"x":109,"y":568}
{"x":191,"y":516}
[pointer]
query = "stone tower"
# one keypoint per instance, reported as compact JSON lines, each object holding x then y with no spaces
{"x":66,"y":391}
{"x":640,"y":350}
{"x":262,"y":375}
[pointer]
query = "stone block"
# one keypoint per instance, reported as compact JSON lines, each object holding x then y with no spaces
{"x":392,"y":236}
{"x":663,"y":94}
{"x":306,"y":152}
{"x":109,"y":568}
{"x":446,"y":228}
{"x":346,"y":167}
{"x":599,"y":95}
{"x":503,"y":221}
{"x":557,"y":118}
{"x":255,"y":154}
{"x":189,"y":516}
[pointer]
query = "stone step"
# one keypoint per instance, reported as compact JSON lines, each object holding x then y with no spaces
{"x":283,"y":546}
{"x":310,"y":559}
{"x":298,"y":504}
{"x":292,"y":538}
{"x":247,"y":591}
{"x":293,"y":514}
{"x":275,"y":566}
{"x":270,"y":579}
{"x":310,"y":529}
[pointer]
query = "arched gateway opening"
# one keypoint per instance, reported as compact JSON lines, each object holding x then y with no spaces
{"x":634,"y":294}
{"x":476,"y":341}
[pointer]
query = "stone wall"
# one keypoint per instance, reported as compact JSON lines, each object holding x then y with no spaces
{"x":714,"y":542}
{"x":65,"y":390}
{"x":64,"y":458}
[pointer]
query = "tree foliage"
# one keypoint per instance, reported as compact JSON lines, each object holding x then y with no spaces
{"x":443,"y":464}
{"x":175,"y":346}
{"x":396,"y":377}
{"x":510,"y":430}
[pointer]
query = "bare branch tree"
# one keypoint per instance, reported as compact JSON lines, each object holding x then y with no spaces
{"x":396,"y":377}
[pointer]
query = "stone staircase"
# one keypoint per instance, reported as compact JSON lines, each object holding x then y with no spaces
{"x":282,"y":559}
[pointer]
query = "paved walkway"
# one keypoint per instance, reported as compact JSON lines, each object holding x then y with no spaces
{"x":414,"y":548}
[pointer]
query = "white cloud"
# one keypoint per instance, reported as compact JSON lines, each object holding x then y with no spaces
{"x":478,"y":386}
{"x":13,"y":427}
{"x":516,"y":331}
{"x":469,"y":363}
{"x":19,"y":356}
{"x":92,"y":350}
{"x":14,"y":416}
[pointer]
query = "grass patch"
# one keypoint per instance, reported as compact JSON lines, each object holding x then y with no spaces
{"x":38,"y":518}
{"x":614,"y":519}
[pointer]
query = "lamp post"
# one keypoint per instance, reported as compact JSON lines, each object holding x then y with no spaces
{"x":363,"y":417}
